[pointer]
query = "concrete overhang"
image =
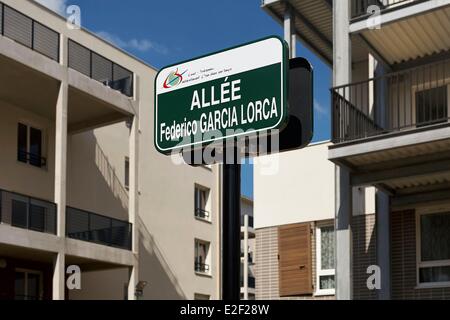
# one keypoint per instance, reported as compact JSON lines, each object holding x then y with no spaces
{"x":313,"y":23}
{"x":31,"y":81}
{"x":86,"y":251}
{"x":399,"y":163}
{"x":413,"y":31}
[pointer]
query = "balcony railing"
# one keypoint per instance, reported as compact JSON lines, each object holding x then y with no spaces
{"x":202,"y":214}
{"x":91,"y":227}
{"x":406,"y":100}
{"x":26,"y":212}
{"x":31,"y":158}
{"x":97,"y":67}
{"x":360,"y":8}
{"x":28,"y":32}
{"x":202,"y":267}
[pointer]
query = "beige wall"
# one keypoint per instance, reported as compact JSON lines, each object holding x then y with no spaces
{"x":16,"y":176}
{"x":301,"y":191}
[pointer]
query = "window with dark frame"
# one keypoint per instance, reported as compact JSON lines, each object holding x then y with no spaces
{"x":434,"y":264}
{"x":432,"y":106}
{"x":30,"y":146}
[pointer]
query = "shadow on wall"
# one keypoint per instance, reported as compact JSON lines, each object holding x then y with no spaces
{"x":110,"y":177}
{"x":93,"y":184}
{"x":154,"y":268}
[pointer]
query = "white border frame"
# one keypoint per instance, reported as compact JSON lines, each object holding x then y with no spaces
{"x":319,"y":271}
{"x":419,"y":264}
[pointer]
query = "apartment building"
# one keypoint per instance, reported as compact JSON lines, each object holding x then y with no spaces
{"x":390,"y":120}
{"x":248,"y":282}
{"x":80,"y":182}
{"x":294,"y":221}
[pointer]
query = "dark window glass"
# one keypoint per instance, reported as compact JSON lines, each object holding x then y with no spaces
{"x":37,"y":218}
{"x":431,"y":106}
{"x":35,"y":147}
{"x":127,"y":173}
{"x":435,"y":237}
{"x":19,"y":214}
{"x":33,"y":286}
{"x":22,"y":143}
{"x":435,"y":274}
{"x":19,"y":286}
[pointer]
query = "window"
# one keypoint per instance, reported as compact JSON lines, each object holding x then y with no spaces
{"x":431,"y":106}
{"x":202,"y":264}
{"x":28,"y":285}
{"x":201,"y":202}
{"x":127,"y":173}
{"x":434,"y":252}
{"x":30,"y":146}
{"x":325,"y":280}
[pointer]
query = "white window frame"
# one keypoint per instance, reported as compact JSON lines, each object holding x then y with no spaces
{"x":428,"y":264}
{"x":207,"y":203}
{"x":207,"y":258}
{"x":319,"y":272}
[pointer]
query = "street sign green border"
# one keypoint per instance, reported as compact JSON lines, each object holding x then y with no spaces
{"x":283,"y":122}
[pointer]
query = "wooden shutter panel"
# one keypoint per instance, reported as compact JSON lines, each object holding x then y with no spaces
{"x":295,"y":266}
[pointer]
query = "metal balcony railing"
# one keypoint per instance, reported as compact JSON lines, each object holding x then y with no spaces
{"x":361,"y":8}
{"x":92,"y":227}
{"x":99,"y":68}
{"x":202,"y":267}
{"x":26,"y":212}
{"x":202,"y":214}
{"x":32,"y":159}
{"x":395,"y":102}
{"x":28,"y":32}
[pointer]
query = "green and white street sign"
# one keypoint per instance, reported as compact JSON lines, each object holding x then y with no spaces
{"x":236,"y":92}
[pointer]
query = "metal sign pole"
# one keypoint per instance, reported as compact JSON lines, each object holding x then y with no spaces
{"x":231,"y":283}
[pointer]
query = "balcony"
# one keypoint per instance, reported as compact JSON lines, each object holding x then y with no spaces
{"x":415,"y":99}
{"x":32,"y":34}
{"x":29,"y":213}
{"x":97,"y":67}
{"x":360,"y":8}
{"x":28,"y":32}
{"x":91,"y":227}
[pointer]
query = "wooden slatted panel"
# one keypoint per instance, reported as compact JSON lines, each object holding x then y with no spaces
{"x":295,"y":266}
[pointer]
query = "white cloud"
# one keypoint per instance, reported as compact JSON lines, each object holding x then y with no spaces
{"x":58,"y":6}
{"x":320,"y":109}
{"x":142,"y":45}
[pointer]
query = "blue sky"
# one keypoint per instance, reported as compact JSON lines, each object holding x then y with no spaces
{"x":164,"y":32}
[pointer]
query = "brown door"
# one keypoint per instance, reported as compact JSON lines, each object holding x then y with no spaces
{"x":294,"y":245}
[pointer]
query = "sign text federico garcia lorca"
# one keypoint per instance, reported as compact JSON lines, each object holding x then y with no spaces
{"x":234,"y":92}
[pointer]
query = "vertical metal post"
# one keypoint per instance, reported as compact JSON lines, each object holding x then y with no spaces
{"x":231,"y":229}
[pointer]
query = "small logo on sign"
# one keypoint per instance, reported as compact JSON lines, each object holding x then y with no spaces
{"x":174,"y":79}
